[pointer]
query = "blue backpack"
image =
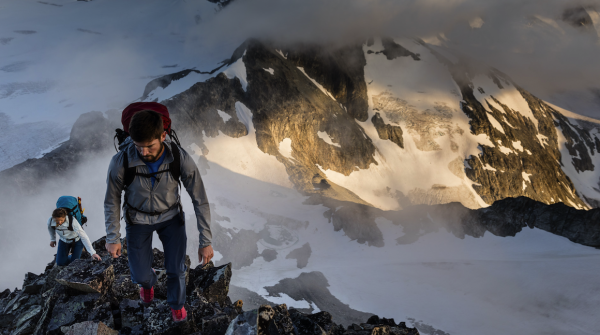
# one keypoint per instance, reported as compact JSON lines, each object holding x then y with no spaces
{"x":73,"y":207}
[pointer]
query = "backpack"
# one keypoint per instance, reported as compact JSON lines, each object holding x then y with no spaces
{"x":73,"y":207}
{"x":131,"y":172}
{"x":122,"y":134}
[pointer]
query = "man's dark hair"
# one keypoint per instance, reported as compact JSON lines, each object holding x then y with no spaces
{"x":146,"y":126}
{"x":59,"y":213}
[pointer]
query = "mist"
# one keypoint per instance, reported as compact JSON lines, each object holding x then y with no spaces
{"x":528,"y":40}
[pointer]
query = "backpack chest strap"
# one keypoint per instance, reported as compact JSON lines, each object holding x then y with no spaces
{"x":174,"y":167}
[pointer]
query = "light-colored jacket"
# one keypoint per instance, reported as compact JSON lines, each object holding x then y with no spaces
{"x":69,"y":236}
{"x":142,"y":195}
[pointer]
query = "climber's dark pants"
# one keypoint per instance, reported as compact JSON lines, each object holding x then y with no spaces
{"x":139,"y":251}
{"x":62,"y":253}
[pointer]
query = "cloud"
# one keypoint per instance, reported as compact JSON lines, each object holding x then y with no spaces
{"x":528,"y":40}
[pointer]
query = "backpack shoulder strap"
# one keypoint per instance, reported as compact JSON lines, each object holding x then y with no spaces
{"x":129,"y":171}
{"x":70,"y":212}
{"x":175,"y":166}
{"x":70,"y":216}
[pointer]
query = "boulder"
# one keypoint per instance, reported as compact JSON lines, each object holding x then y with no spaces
{"x":87,"y":276}
{"x":124,"y":288}
{"x":274,"y":320}
{"x":213,"y":282}
{"x":89,"y":328}
{"x":33,"y":283}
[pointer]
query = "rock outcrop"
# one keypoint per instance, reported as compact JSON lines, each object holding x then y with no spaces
{"x":91,"y":297}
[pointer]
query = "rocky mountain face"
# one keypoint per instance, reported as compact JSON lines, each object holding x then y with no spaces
{"x":302,"y":91}
{"x":90,"y":297}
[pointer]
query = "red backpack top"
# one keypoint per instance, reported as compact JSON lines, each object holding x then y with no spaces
{"x":135,"y":107}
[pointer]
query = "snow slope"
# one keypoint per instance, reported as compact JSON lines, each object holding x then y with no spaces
{"x":62,"y":58}
{"x":490,"y":285}
{"x":425,"y":90}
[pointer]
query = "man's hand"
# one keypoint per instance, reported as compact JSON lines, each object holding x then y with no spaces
{"x":53,"y":244}
{"x":96,"y":257}
{"x":114,"y":249}
{"x":205,"y":254}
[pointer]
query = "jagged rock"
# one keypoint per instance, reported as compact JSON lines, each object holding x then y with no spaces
{"x":26,"y":322}
{"x":132,"y":313}
{"x":65,"y":309}
{"x":213,"y":282}
{"x":4,"y":294}
{"x":158,"y":320}
{"x":305,"y":325}
{"x":50,"y":277}
{"x":89,"y":328}
{"x":124,"y":288}
{"x":85,"y":276}
{"x":15,"y":302}
{"x":325,"y":321}
{"x":33,"y":283}
{"x":387,"y":131}
{"x":215,"y":325}
{"x":274,"y":320}
{"x":50,"y":296}
{"x":244,"y":324}
{"x":71,"y":310}
{"x":103,"y":314}
{"x":394,"y":329}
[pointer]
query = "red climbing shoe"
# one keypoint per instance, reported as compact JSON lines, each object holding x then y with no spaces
{"x":147,"y":295}
{"x":179,"y":314}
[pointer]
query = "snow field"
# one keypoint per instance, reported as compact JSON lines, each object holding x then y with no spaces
{"x":424,"y":84}
{"x":243,"y":156}
{"x":59,"y":61}
{"x":461,"y":286}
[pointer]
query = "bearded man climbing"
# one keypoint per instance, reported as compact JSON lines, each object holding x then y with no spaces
{"x":150,"y":169}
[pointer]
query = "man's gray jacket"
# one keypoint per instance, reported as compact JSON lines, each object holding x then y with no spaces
{"x":142,"y":195}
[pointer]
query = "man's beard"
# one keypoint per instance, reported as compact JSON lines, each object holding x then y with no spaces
{"x":154,"y":158}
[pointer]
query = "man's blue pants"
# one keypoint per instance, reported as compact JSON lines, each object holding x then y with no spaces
{"x":139,"y":251}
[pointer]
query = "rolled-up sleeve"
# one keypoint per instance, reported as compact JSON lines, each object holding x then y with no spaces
{"x":112,"y":199}
{"x":190,"y":177}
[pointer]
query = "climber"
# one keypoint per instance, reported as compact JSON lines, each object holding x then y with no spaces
{"x":150,"y":169}
{"x":72,"y":238}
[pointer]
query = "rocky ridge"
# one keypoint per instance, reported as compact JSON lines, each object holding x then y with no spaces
{"x":97,"y":297}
